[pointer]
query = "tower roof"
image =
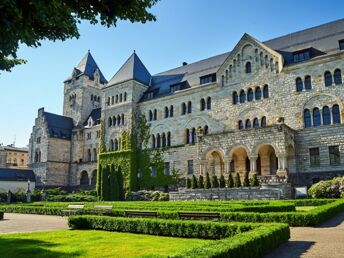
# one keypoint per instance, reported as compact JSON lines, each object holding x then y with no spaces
{"x":132,"y":69}
{"x":88,"y":66}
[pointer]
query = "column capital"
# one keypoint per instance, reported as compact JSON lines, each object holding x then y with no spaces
{"x":253,"y":157}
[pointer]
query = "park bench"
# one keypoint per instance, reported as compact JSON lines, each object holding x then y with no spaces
{"x":197,"y":215}
{"x":150,"y":214}
{"x":102,"y":209}
{"x":73,"y":209}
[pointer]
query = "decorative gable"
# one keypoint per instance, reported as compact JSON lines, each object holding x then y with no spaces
{"x":247,"y":59}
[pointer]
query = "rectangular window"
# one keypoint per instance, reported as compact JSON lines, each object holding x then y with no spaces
{"x":314,"y":157}
{"x":154,"y":172}
{"x":208,"y":78}
{"x":190,"y":167}
{"x":167,"y":169}
{"x":341,"y":44}
{"x":174,"y":88}
{"x":302,"y":56}
{"x":149,"y":95}
{"x":334,"y":155}
{"x":88,"y":136}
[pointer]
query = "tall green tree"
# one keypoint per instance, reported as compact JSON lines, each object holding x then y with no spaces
{"x":222,"y":181}
{"x":105,"y":184}
{"x":207,"y":183}
{"x":188,"y":183}
{"x":230,"y":181}
{"x":200,"y":182}
{"x":237,"y":182}
{"x":254,"y":180}
{"x":29,"y":22}
{"x":246,"y":182}
{"x":214,"y":182}
{"x":194,"y":183}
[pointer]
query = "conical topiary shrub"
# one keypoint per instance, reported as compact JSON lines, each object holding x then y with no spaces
{"x":246,"y":182}
{"x":230,"y":182}
{"x":188,"y":183}
{"x":194,"y":184}
{"x":222,"y":182}
{"x":214,"y":182}
{"x":237,"y":182}
{"x":254,"y":180}
{"x":200,"y":182}
{"x":207,"y":181}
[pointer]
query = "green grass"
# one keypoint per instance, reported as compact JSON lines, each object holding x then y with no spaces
{"x":91,"y":243}
{"x":305,"y":208}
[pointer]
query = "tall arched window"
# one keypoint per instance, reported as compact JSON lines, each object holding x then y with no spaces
{"x":120,"y":97}
{"x":114,"y":121}
{"x":169,"y":139}
{"x":89,"y":155}
{"x":235,"y":97}
{"x":116,"y":98}
{"x":122,"y":116}
{"x":261,"y":59}
{"x":193,"y":136}
{"x":118,"y":120}
{"x":206,"y":130}
{"x":94,"y":154}
{"x":189,"y":107}
{"x":249,"y":95}
{"x":328,"y":78}
{"x":125,"y":96}
{"x":266,"y":91}
{"x":248,"y":68}
{"x":183,"y":108}
{"x":248,"y":123}
{"x":110,"y":121}
{"x":242,"y":96}
{"x":108,"y":101}
{"x":258,"y":93}
{"x":308,"y":82}
{"x":316,"y":117}
{"x":166,"y":112}
{"x":255,"y":123}
{"x":336,"y":114}
{"x":202,"y":104}
{"x":111,"y":145}
{"x":163,"y":140}
{"x":337,"y":77}
{"x":116,"y":145}
{"x":155,"y":114}
{"x":209,"y":103}
{"x":153,"y":141}
{"x":150,"y":115}
{"x":240,"y":125}
{"x":307,"y":118}
{"x":263,"y":122}
{"x":187,"y":136}
{"x":158,"y":141}
{"x":299,"y":84}
{"x":91,"y":97}
{"x":326,"y":115}
{"x":266,"y":61}
{"x":171,"y":111}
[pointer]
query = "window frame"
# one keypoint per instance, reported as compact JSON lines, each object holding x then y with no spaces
{"x":314,"y":158}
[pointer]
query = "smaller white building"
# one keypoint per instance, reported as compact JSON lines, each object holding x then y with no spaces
{"x":17,"y":180}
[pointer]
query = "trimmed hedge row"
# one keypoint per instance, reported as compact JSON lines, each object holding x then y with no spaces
{"x":174,"y":228}
{"x":252,"y":244}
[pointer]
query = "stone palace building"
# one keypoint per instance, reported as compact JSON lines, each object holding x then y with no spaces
{"x":274,"y":108}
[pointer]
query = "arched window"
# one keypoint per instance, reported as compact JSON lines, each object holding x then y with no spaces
{"x":202,"y":104}
{"x":261,"y":59}
{"x":266,"y":61}
{"x":271,"y":65}
{"x":98,"y":99}
{"x":255,"y":123}
{"x":94,"y":178}
{"x":153,"y":141}
{"x":230,"y":71}
{"x":116,"y":145}
{"x":166,"y":112}
{"x":335,"y":114}
{"x":206,"y":130}
{"x":242,"y":96}
{"x":95,"y":154}
{"x":299,"y":84}
{"x":187,"y":136}
{"x":248,"y":123}
{"x":108,"y":101}
{"x":326,"y":115}
{"x":248,"y":68}
{"x":110,"y":121}
{"x":158,"y":141}
{"x":328,"y":78}
{"x":226,"y":72}
{"x":249,"y":95}
{"x":183,"y":108}
{"x":163,"y":140}
{"x":116,"y":98}
{"x":189,"y":107}
{"x":266,"y":91}
{"x":316,"y":117}
{"x":240,"y":125}
{"x":118,"y":120}
{"x":193,"y":136}
{"x":114,"y":120}
{"x":308,"y":82}
{"x":125,"y":96}
{"x":111,"y":145}
{"x":122,"y":116}
{"x":169,"y":139}
{"x":171,"y":111}
{"x":155,"y":116}
{"x":258,"y":93}
{"x":263,"y":122}
{"x":209,"y":103}
{"x":150,"y":116}
{"x":91,"y":97}
{"x":120,"y":97}
{"x":337,"y":77}
{"x":235,"y":97}
{"x":84,"y":178}
{"x":307,"y":118}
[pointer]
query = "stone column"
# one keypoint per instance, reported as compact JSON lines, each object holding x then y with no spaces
{"x":228,"y":165}
{"x":201,"y":167}
{"x":282,"y":165}
{"x":253,"y":165}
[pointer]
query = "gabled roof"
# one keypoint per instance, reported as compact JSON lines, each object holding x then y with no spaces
{"x":132,"y":69}
{"x":10,"y":174}
{"x":59,"y":126}
{"x":95,"y":115}
{"x":88,"y":66}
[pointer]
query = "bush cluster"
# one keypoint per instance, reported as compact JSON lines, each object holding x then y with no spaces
{"x":144,"y":195}
{"x":333,"y":188}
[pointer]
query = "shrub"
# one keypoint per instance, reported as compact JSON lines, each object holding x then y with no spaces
{"x":71,"y":198}
{"x":207,"y":184}
{"x":237,"y":182}
{"x":333,"y":188}
{"x":230,"y":182}
{"x":144,"y":195}
{"x":55,"y":191}
{"x":246,"y":182}
{"x":222,"y":181}
{"x":214,"y":182}
{"x":194,"y":184}
{"x":200,"y":182}
{"x":188,"y":183}
{"x":254,"y":180}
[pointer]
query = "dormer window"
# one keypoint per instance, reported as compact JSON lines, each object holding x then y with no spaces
{"x":149,"y":95}
{"x":208,"y":78}
{"x":248,"y":68}
{"x":341,"y":44}
{"x":174,"y":88}
{"x":302,"y":55}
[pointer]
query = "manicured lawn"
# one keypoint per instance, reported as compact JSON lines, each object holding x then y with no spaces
{"x":305,"y":208}
{"x":91,"y":243}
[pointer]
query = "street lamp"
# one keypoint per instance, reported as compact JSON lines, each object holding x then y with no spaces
{"x":28,"y":185}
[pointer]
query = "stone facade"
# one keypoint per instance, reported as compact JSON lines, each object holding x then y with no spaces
{"x":242,"y":111}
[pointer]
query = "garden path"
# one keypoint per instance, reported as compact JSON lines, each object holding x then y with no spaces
{"x":323,"y":241}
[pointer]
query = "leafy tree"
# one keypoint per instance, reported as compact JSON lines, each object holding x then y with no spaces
{"x":222,"y":181}
{"x":188,"y":183}
{"x":214,"y":182}
{"x":194,"y":184}
{"x":230,"y":182}
{"x":246,"y":182}
{"x":254,"y":180}
{"x":200,"y":182}
{"x":207,"y":184}
{"x":105,"y":184}
{"x":31,"y":21}
{"x":237,"y":182}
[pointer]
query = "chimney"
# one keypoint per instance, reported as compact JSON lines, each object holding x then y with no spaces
{"x":185,"y":63}
{"x":40,"y":111}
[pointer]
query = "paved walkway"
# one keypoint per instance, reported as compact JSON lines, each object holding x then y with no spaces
{"x":323,"y":241}
{"x":15,"y":223}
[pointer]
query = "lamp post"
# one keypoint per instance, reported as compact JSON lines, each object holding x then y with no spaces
{"x":28,"y":192}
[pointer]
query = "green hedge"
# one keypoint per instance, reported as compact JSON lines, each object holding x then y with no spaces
{"x":175,"y":228}
{"x":71,"y":198}
{"x":252,"y":244}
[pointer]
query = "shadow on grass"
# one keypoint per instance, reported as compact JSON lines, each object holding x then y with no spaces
{"x":291,"y":249}
{"x":29,"y":248}
{"x":333,"y":222}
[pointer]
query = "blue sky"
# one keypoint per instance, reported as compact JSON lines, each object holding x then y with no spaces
{"x":185,"y":30}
